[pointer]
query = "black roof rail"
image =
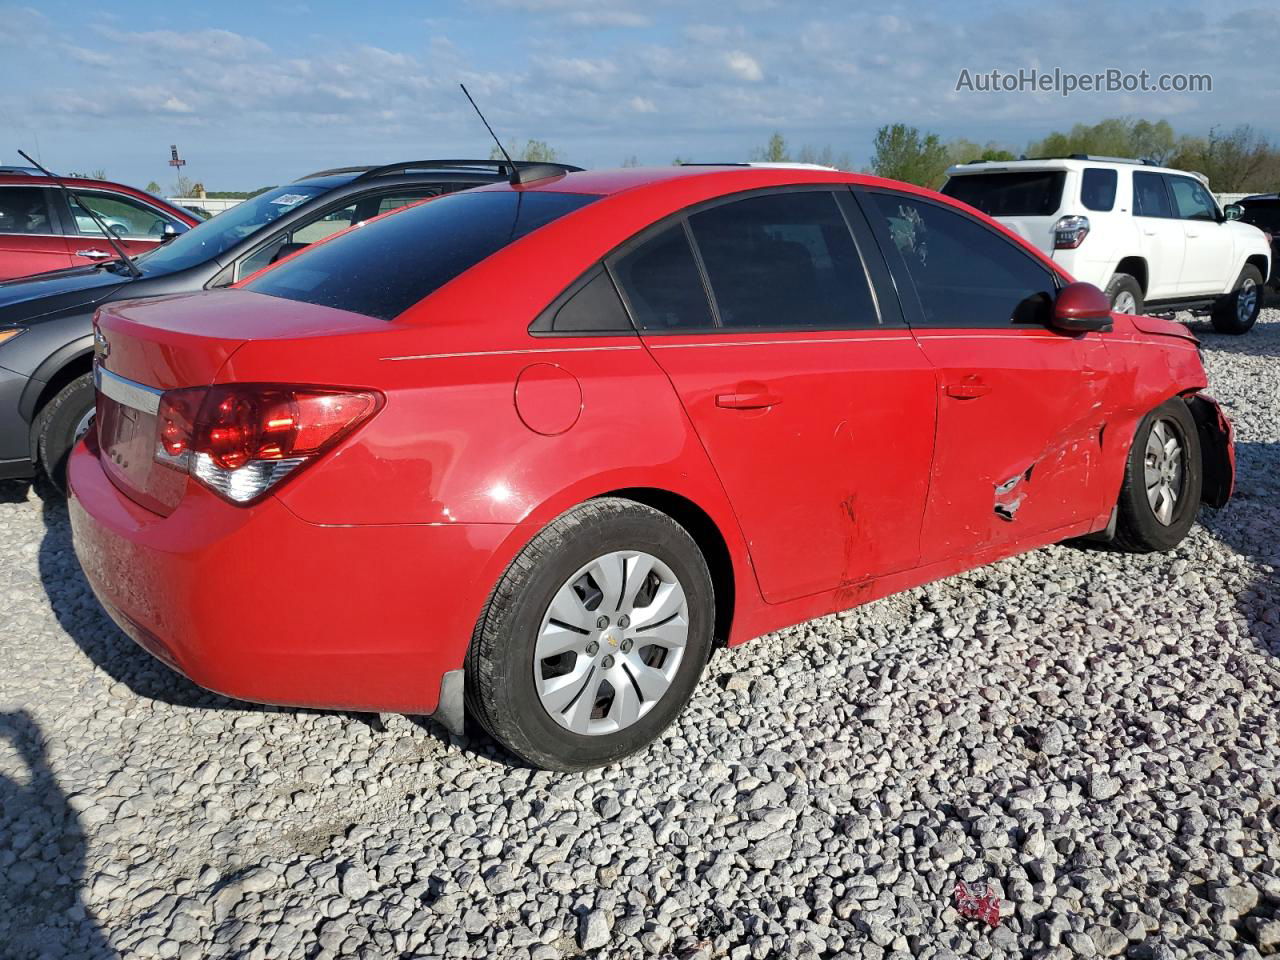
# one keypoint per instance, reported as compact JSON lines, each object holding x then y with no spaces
{"x":500,"y":167}
{"x":528,"y":170}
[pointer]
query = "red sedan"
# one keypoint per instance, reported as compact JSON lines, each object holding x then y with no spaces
{"x":539,"y":448}
{"x":42,"y":230}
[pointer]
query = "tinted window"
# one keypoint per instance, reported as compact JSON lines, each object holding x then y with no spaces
{"x":1263,"y":214}
{"x":1192,"y":200}
{"x":593,"y":308}
{"x":786,"y":259}
{"x":1098,"y":188}
{"x":966,"y":275}
{"x":662,"y":283}
{"x":24,"y":210}
{"x":1032,"y":193}
{"x":388,"y":265}
{"x":1150,"y":199}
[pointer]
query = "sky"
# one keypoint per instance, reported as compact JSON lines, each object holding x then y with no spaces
{"x":258,"y":93}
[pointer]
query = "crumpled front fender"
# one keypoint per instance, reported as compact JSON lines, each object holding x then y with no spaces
{"x":1217,"y":449}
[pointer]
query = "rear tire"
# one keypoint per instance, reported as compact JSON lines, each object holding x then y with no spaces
{"x":60,"y":424}
{"x":1125,"y":294}
{"x":562,"y":612}
{"x":1237,"y":312}
{"x":1162,"y":481}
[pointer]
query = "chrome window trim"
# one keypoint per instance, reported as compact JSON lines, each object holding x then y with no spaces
{"x":138,"y":396}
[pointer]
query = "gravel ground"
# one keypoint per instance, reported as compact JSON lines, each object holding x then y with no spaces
{"x":1093,"y":733}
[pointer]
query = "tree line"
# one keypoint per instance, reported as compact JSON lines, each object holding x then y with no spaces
{"x":1236,"y":160}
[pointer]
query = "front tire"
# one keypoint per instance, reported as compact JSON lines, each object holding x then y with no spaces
{"x":61,"y":423}
{"x":595,"y":637}
{"x":1125,"y":294}
{"x":1162,"y":481}
{"x":1237,"y":312}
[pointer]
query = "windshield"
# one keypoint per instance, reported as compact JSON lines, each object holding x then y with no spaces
{"x":388,"y":265}
{"x":1031,"y":193}
{"x":217,"y":235}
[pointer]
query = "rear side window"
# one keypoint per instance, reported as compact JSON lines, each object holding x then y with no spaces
{"x":594,"y":307}
{"x":1098,"y":189}
{"x":387,"y":266}
{"x":964,"y":273}
{"x":662,"y":284}
{"x":1150,"y":198}
{"x":1030,"y":193}
{"x":783,"y":260}
{"x":24,"y":210}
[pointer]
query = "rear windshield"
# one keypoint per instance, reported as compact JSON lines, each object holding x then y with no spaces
{"x":385,"y":267}
{"x":1033,"y":193}
{"x":1264,"y":214}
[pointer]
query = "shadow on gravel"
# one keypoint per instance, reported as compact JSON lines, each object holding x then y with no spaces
{"x":82,"y":617}
{"x":1250,"y":525}
{"x":42,"y":855}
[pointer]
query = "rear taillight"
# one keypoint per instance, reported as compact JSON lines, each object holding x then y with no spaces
{"x":241,"y":439}
{"x":1069,"y":232}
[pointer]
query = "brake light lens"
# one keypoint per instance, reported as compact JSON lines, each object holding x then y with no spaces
{"x":240,"y":440}
{"x":1069,"y":232}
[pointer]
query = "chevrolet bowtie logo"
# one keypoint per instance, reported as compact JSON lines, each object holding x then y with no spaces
{"x":101,"y":349}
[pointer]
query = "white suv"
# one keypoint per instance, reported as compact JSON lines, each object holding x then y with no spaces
{"x":1154,"y":239}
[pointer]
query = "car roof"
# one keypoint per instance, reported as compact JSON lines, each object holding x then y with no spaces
{"x":731,"y":177}
{"x":86,"y":183}
{"x":1075,"y":162}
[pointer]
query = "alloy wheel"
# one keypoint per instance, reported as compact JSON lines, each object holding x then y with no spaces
{"x":1164,"y":469}
{"x":1246,"y":300}
{"x":610,"y":643}
{"x":1125,"y":303}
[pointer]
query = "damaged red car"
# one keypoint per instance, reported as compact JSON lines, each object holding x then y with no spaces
{"x":527,"y":454}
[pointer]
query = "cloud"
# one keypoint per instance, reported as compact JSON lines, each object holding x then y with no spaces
{"x":743,"y":66}
{"x":642,"y":105}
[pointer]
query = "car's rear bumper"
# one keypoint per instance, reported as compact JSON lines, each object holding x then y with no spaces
{"x":260,"y":605}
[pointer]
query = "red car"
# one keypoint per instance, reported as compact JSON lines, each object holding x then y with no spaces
{"x":41,"y":231}
{"x":541,"y":448}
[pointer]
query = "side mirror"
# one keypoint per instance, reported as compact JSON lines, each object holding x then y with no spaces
{"x":1233,"y":211}
{"x":1081,"y":307}
{"x":167,"y":233}
{"x":287,"y":250}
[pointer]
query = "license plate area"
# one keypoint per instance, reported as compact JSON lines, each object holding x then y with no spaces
{"x":127,"y":437}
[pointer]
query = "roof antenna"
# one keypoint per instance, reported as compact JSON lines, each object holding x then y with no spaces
{"x":501,"y":148}
{"x":106,"y":231}
{"x":520,"y":173}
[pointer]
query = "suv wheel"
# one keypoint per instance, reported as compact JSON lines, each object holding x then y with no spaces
{"x":1237,"y":312}
{"x":61,"y":423}
{"x":594,"y":638}
{"x":1125,"y":294}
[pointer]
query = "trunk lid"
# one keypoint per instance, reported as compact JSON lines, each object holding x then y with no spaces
{"x":145,"y":348}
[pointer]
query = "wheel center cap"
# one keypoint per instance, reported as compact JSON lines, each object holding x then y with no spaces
{"x":609,"y":637}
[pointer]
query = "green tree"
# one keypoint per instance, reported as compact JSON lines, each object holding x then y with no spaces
{"x":1234,"y":160}
{"x":631,"y":161}
{"x":1113,"y":137}
{"x":775,"y":151}
{"x":535,"y":151}
{"x":903,"y":153}
{"x":966,"y":151}
{"x":154,"y":187}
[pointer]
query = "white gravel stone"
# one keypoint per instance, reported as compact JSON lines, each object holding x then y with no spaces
{"x":1093,"y":734}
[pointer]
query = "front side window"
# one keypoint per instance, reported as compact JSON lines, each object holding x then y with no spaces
{"x":124,"y":216}
{"x":1026,"y":193}
{"x":24,"y":210}
{"x":783,"y":260}
{"x":1192,"y":200}
{"x":964,"y":273}
{"x":661,"y":281}
{"x":1098,"y":188}
{"x":389,"y":265}
{"x":1150,"y":198}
